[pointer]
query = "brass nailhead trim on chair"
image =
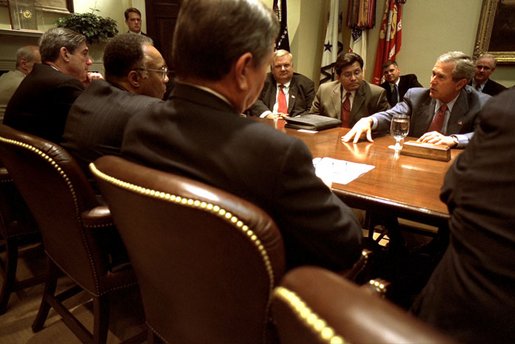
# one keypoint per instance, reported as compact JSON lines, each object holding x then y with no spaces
{"x":194,"y":203}
{"x":308,"y":317}
{"x":68,"y":183}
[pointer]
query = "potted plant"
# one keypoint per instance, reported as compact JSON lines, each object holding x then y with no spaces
{"x":94,"y":27}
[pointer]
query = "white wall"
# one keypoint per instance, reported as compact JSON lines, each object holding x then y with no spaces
{"x":428,"y":31}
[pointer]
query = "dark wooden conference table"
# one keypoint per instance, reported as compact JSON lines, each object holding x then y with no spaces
{"x":399,"y":185}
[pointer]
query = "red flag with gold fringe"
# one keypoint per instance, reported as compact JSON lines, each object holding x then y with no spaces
{"x":390,"y":37}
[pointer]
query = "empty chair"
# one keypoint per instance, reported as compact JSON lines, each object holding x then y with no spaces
{"x":78,"y":234}
{"x":18,"y":232}
{"x":206,"y":261}
{"x":313,"y":305}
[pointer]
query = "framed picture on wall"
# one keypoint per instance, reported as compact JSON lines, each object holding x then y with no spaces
{"x":59,"y":6}
{"x":496,"y":30}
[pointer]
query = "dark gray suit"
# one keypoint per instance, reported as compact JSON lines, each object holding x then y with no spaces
{"x":41,"y":103}
{"x":300,"y":96}
{"x":421,"y":108}
{"x":369,"y":99}
{"x":197,"y":134}
{"x":471,"y":293}
{"x":405,"y":83}
{"x":97,"y":120}
{"x":492,"y":88}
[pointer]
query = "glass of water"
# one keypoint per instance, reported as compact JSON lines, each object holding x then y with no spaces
{"x":399,"y":128}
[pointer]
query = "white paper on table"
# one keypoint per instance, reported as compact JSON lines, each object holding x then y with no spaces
{"x":339,"y":171}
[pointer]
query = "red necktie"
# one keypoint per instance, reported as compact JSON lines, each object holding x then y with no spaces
{"x":437,"y":123}
{"x":346,"y":111}
{"x":281,"y":100}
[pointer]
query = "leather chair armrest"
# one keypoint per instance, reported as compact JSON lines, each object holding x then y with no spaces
{"x":98,"y":217}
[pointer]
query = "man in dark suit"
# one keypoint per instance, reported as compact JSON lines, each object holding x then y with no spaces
{"x":471,"y":293}
{"x":41,"y":103}
{"x":362,"y":97}
{"x":136,"y":75}
{"x":443,"y":114}
{"x":298,"y":89}
{"x":199,"y":132}
{"x":396,"y":84}
{"x":485,"y":66}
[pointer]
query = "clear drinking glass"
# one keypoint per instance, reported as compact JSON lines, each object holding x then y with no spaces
{"x":399,"y":128}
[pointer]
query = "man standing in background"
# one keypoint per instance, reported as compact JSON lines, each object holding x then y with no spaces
{"x":26,"y":57}
{"x":485,"y":66}
{"x":396,"y":84}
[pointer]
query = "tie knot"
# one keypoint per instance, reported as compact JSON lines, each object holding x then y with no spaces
{"x":443,"y":108}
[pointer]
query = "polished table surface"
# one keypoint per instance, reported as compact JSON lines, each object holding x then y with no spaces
{"x":399,"y":185}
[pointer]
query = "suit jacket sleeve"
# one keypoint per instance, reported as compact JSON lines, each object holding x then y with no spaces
{"x":312,"y":216}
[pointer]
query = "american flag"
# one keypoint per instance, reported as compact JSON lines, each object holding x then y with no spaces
{"x":283,"y":41}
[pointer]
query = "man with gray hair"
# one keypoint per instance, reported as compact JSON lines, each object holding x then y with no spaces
{"x":285,"y":92}
{"x":41,"y":103}
{"x":26,"y":57}
{"x":445,"y":113}
{"x":200,"y":133}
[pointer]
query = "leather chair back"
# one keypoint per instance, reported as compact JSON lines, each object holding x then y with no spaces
{"x":206,"y":261}
{"x":57,"y":193}
{"x":314,"y":306}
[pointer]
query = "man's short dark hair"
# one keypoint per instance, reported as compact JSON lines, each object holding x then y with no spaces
{"x":124,"y":53}
{"x":211,"y":35}
{"x":54,"y":39}
{"x":131,"y":10}
{"x":388,"y":63}
{"x":346,"y":59}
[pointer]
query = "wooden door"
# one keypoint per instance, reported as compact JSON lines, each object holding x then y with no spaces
{"x":161,"y":20}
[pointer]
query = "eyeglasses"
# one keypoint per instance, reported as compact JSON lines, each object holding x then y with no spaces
{"x":163,"y":71}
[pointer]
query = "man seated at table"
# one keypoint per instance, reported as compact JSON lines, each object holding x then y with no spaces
{"x":136,"y":75}
{"x":41,"y":103}
{"x":285,"y":92}
{"x":349,"y":98}
{"x":485,"y":66}
{"x":471,"y":293}
{"x":200,"y":133}
{"x":26,"y":57}
{"x":396,"y":84}
{"x":445,"y":113}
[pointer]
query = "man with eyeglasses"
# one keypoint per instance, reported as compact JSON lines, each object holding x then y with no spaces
{"x":136,"y":77}
{"x":485,"y":66}
{"x":349,"y":98}
{"x":285,"y":93}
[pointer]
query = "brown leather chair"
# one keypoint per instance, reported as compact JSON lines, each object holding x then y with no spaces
{"x":315,"y":306}
{"x":206,"y":261}
{"x":78,"y":233}
{"x":18,"y":234}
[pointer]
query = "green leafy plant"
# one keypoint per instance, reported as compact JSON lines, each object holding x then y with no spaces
{"x":91,"y":25}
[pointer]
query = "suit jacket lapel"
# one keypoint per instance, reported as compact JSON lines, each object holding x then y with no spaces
{"x":292,"y":95}
{"x":336,"y":100}
{"x":359,"y":99}
{"x":460,"y":108}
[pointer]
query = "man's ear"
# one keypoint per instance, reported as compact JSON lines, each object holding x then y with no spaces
{"x":242,"y":69}
{"x":64,"y":54}
{"x":134,"y":78}
{"x":461,"y":83}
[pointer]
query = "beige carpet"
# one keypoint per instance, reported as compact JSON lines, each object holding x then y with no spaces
{"x":126,"y":319}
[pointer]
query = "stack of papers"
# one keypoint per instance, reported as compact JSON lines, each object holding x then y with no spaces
{"x":339,"y":171}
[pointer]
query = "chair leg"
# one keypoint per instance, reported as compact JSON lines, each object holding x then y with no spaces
{"x":101,"y":318}
{"x":11,"y":265}
{"x":49,"y":292}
